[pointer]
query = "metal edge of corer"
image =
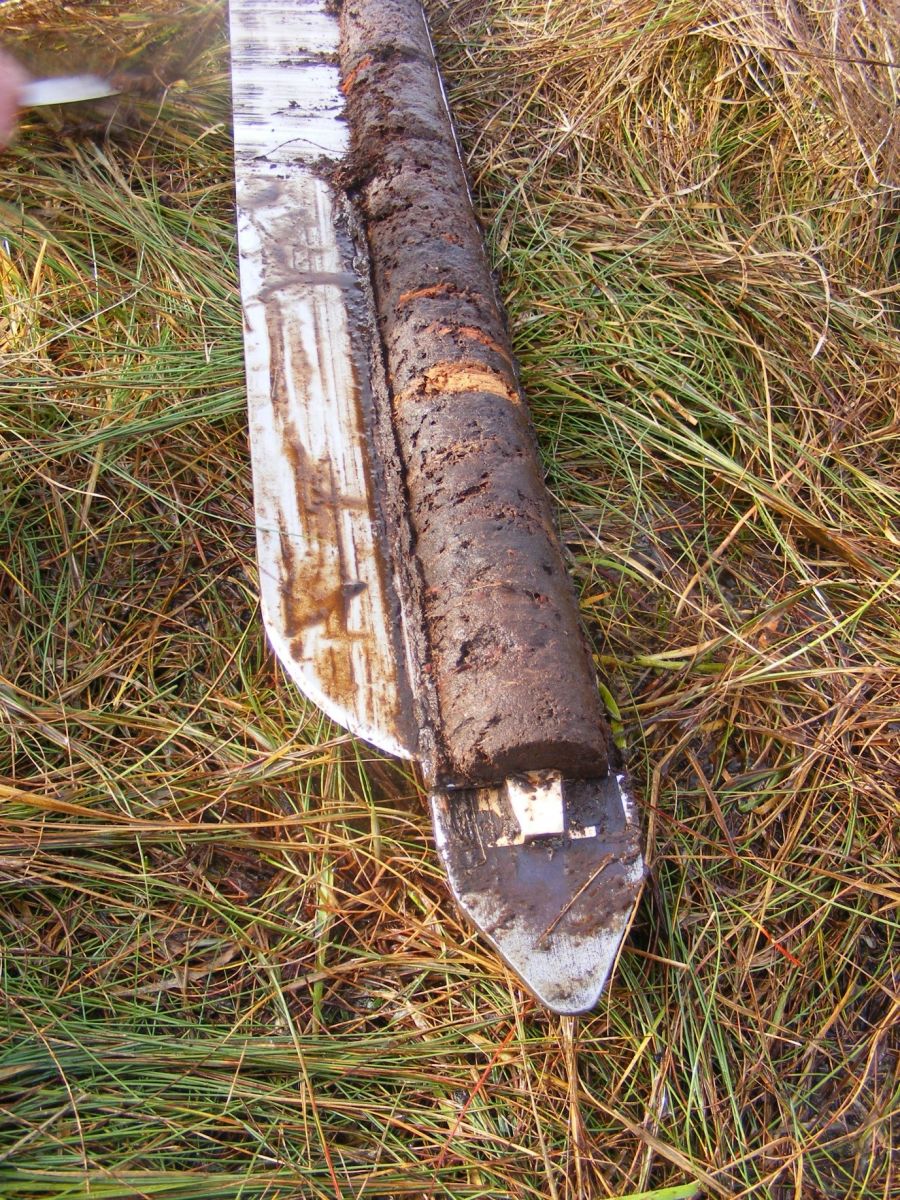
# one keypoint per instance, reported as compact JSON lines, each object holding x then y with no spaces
{"x":549,"y":870}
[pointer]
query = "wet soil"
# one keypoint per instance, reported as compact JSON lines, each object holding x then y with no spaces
{"x":512,"y":676}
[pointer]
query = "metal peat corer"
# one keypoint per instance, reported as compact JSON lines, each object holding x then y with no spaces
{"x":412,"y":580}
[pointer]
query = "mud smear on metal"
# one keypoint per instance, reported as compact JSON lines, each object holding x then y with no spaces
{"x":322,"y":585}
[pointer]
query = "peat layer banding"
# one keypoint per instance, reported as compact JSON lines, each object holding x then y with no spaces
{"x":513,"y":675}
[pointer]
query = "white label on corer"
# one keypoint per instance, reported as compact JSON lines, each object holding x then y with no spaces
{"x":537,"y":803}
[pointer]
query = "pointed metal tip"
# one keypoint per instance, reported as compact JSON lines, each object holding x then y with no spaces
{"x":550,"y":871}
{"x":569,"y":977}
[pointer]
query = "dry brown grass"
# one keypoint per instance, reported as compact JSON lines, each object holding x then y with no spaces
{"x":230,"y":964}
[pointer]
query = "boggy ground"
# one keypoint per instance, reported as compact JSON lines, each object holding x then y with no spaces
{"x":230,"y":966}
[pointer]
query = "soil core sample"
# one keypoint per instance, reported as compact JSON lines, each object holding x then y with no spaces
{"x":510,"y":667}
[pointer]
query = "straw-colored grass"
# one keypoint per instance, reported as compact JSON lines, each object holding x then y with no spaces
{"x":230,"y":966}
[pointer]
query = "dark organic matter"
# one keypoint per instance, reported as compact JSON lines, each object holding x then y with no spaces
{"x":512,"y":674}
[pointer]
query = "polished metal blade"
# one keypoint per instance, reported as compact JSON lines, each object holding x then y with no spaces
{"x":65,"y":89}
